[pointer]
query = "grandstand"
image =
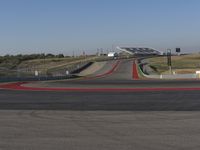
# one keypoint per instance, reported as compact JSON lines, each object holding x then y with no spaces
{"x":139,"y":50}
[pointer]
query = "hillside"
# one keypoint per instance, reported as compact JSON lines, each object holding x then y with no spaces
{"x":26,"y":66}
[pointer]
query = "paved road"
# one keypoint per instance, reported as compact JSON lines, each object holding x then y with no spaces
{"x":104,"y":100}
{"x":129,"y":101}
{"x":122,"y":72}
{"x":121,"y":77}
{"x":99,"y":130}
{"x":100,"y":83}
{"x":39,"y":120}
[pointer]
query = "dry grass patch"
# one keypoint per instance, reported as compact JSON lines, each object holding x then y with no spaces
{"x":183,"y":64}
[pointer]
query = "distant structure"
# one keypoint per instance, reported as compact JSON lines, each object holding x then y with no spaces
{"x":112,"y":54}
{"x":139,"y":50}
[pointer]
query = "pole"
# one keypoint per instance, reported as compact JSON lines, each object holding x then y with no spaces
{"x":169,"y":60}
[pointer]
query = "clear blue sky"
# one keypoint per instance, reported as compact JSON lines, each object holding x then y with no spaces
{"x":63,"y":26}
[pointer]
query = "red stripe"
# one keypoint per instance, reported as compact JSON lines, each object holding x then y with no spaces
{"x":135,"y":72}
{"x":18,"y":86}
{"x":105,"y":74}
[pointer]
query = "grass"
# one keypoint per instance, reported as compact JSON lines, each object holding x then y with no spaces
{"x":47,"y":66}
{"x":53,"y":64}
{"x":44,"y":66}
{"x":180,"y":64}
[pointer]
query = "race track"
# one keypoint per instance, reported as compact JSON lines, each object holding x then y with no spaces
{"x":107,"y":110}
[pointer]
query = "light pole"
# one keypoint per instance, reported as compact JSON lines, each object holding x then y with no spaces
{"x":45,"y":73}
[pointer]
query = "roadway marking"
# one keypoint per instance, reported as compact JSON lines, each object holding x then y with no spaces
{"x":135,"y":71}
{"x":107,"y":73}
{"x":19,"y":86}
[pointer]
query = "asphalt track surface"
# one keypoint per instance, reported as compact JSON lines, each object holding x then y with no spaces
{"x":102,"y":120}
{"x":110,"y":101}
{"x":114,"y":90}
{"x":99,"y":130}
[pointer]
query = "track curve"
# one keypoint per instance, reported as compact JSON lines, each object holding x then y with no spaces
{"x":109,"y":109}
{"x":113,"y":90}
{"x":119,"y":77}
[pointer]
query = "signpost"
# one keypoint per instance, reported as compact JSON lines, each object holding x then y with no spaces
{"x":178,"y":50}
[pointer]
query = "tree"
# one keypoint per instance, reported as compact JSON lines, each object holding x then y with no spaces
{"x":60,"y":56}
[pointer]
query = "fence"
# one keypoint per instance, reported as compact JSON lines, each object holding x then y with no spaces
{"x":17,"y":76}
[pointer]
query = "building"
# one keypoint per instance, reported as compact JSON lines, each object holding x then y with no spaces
{"x":112,"y":54}
{"x":139,"y":50}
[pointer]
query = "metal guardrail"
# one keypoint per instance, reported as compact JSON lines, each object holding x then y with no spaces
{"x":62,"y":75}
{"x":72,"y":74}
